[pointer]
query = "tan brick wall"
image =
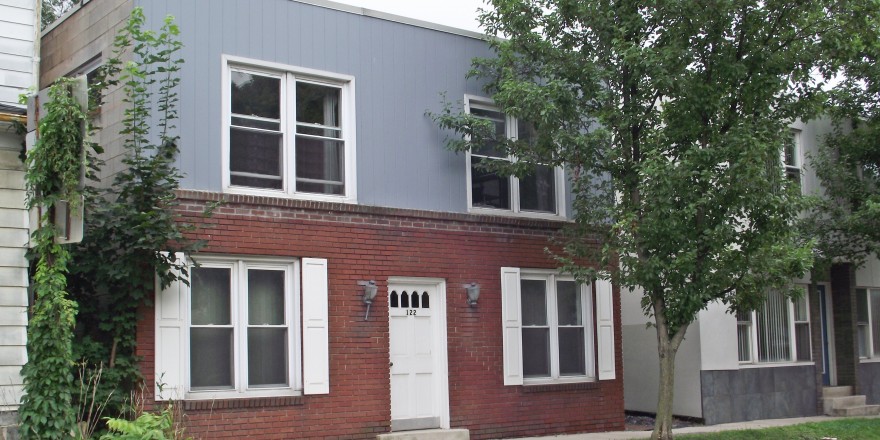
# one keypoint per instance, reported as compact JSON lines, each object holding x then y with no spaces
{"x":67,"y":46}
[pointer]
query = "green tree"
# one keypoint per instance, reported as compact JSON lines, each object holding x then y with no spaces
{"x":846,"y":220}
{"x":132,"y":233}
{"x":133,"y":230}
{"x":52,"y":10}
{"x":670,"y":118}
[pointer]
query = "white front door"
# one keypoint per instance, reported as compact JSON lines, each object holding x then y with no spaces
{"x":417,"y":332}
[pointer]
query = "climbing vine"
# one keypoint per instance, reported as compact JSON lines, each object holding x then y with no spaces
{"x":53,"y":175}
{"x":131,"y":232}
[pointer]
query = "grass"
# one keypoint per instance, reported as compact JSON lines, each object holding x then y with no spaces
{"x":844,"y":429}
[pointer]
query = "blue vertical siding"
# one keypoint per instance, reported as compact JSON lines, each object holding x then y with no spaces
{"x":400,"y":72}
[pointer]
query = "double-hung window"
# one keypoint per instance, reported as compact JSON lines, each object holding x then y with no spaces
{"x":779,"y":331}
{"x":539,"y":193}
{"x":241,"y":327}
{"x":868,"y":322}
{"x":791,"y":158}
{"x":554,"y":327}
{"x":550,"y":327}
{"x":290,"y":132}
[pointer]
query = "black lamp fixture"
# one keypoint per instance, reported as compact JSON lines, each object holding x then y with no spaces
{"x":370,"y":289}
{"x":473,"y":293}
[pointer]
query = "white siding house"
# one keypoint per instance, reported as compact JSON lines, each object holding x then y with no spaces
{"x":789,"y":358}
{"x":19,"y":28}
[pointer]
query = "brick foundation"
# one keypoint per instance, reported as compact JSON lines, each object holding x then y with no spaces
{"x":376,"y":243}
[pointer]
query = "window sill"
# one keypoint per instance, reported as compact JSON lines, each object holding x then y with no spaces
{"x":245,"y":402}
{"x":278,"y":194}
{"x":776,"y":364}
{"x":559,"y":386}
{"x":873,"y":360}
{"x":257,"y":393}
{"x":508,"y":213}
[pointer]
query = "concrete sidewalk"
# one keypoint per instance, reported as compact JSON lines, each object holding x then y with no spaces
{"x":625,"y":435}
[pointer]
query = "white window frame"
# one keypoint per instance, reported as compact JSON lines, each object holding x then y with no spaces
{"x":871,"y":354}
{"x":745,"y":322}
{"x":796,"y":167}
{"x":752,"y":325}
{"x":87,"y":68}
{"x":239,"y":303}
{"x":550,"y":277}
{"x":471,"y":101}
{"x":290,"y":75}
{"x":795,"y":322}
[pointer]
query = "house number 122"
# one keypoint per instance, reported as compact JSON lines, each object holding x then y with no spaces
{"x":410,"y":312}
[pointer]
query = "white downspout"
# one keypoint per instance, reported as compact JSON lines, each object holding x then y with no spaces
{"x":35,"y":60}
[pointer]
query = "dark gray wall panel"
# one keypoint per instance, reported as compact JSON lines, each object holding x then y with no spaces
{"x":869,"y":381}
{"x":400,"y":72}
{"x":758,"y":393}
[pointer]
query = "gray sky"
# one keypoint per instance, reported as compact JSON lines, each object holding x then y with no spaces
{"x":457,"y":13}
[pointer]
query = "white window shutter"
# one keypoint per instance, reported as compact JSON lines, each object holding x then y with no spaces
{"x":511,"y":318}
{"x":171,"y":356}
{"x":316,"y":352}
{"x":605,"y":328}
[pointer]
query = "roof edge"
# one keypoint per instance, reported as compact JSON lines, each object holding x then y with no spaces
{"x":351,"y":9}
{"x":329,"y":4}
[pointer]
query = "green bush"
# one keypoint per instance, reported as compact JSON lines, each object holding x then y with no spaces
{"x":148,"y":426}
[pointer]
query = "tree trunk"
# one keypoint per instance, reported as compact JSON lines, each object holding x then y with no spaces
{"x":667,"y":347}
{"x":663,"y":422}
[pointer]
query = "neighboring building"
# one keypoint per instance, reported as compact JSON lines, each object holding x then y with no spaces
{"x":19,"y":27}
{"x":308,"y":120}
{"x":787,"y":359}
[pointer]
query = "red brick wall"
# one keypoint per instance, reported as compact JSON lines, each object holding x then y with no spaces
{"x":364,"y":243}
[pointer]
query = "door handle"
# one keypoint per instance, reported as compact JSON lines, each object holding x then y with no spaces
{"x":390,"y":364}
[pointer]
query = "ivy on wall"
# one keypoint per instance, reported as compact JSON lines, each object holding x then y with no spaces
{"x":130,"y":239}
{"x":52,"y":176}
{"x":132,"y":230}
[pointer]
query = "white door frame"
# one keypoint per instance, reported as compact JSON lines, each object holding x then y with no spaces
{"x":441,"y":362}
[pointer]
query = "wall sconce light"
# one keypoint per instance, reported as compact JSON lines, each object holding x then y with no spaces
{"x":370,"y":289}
{"x":473,"y":293}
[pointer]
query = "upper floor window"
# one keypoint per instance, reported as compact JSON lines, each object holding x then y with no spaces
{"x":91,"y":70}
{"x":290,"y":131}
{"x":779,"y":331}
{"x":791,"y":158}
{"x":868,"y":322}
{"x":540,"y":193}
